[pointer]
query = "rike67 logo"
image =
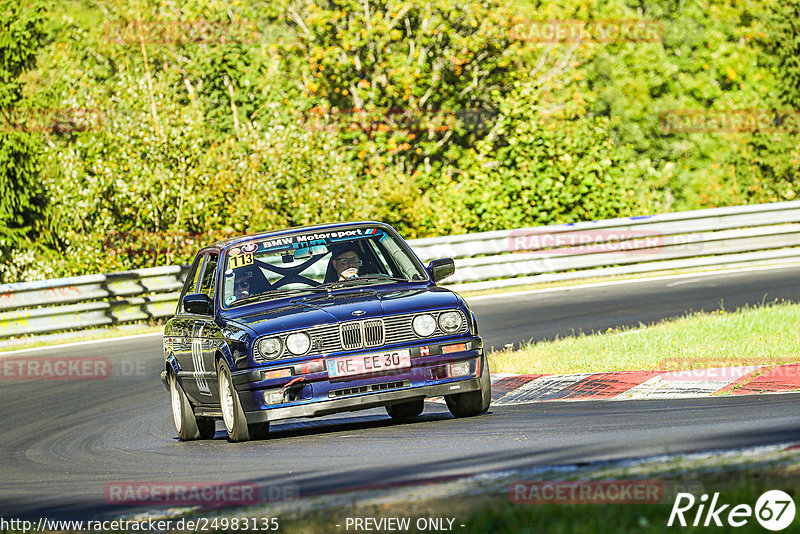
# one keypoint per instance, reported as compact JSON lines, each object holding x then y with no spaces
{"x":774,"y":511}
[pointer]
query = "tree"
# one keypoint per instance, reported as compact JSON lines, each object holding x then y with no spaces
{"x":784,"y":45}
{"x":768,"y":165}
{"x":400,"y":80}
{"x":21,"y":195}
{"x":541,"y":164}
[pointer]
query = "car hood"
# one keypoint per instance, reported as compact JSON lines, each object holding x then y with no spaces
{"x":341,"y":306}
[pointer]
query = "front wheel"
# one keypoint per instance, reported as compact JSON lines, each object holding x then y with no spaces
{"x":188,"y":426}
{"x":472,"y":402}
{"x":232,"y":413}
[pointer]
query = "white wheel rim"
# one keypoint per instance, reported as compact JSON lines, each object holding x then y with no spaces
{"x":176,"y":402}
{"x":226,"y":401}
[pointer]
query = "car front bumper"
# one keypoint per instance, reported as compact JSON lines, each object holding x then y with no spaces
{"x":363,"y":402}
{"x":318,"y":395}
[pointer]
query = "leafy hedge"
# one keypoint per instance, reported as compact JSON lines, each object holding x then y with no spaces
{"x":436,"y":116}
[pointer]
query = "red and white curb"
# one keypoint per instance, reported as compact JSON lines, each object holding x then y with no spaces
{"x":508,"y":389}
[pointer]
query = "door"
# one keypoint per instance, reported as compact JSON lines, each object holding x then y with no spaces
{"x":180,"y":328}
{"x":205,"y":336}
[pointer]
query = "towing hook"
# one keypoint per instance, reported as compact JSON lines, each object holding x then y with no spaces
{"x":294,"y":383}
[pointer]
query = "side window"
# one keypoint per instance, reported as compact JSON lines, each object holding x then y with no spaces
{"x":400,"y":259}
{"x":382,"y":266}
{"x":191,"y":280}
{"x":209,"y":276}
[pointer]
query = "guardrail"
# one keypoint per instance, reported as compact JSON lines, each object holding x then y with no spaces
{"x":92,"y":300}
{"x":734,"y":236}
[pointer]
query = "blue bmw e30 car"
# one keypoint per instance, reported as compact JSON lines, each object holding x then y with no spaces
{"x":313,"y":321}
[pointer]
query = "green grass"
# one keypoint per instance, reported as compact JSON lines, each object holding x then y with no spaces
{"x":495,"y":513}
{"x":502,"y":516}
{"x":765,"y":335}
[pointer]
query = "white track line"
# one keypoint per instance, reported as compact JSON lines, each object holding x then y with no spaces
{"x":630,"y":281}
{"x":79,"y":343}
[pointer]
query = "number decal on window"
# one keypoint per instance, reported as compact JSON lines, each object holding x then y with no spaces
{"x":241,"y":260}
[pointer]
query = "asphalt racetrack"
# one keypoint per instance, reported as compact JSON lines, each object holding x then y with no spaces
{"x":63,"y":442}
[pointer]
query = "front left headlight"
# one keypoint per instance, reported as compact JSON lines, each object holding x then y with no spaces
{"x":269,"y":347}
{"x":450,"y":322}
{"x":298,"y":343}
{"x":424,"y":325}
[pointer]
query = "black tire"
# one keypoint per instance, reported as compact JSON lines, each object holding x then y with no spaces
{"x":472,"y":403}
{"x":188,"y":426}
{"x":232,"y":413}
{"x":207,"y":428}
{"x":405,"y":410}
{"x":258,"y":430}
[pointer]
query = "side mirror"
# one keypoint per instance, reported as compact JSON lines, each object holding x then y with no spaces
{"x":441,"y":269}
{"x":198,"y":303}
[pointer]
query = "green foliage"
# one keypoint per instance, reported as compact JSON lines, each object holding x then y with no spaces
{"x":539,"y":166}
{"x":387,"y":54}
{"x":784,"y":45}
{"x":21,"y":197}
{"x":767,"y":166}
{"x":436,"y":116}
{"x":400,"y":80}
{"x":20,"y":37}
{"x":706,"y":59}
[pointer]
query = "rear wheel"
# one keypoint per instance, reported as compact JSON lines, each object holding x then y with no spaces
{"x":405,"y":410}
{"x":232,"y":413}
{"x":472,"y":402}
{"x":188,"y":426}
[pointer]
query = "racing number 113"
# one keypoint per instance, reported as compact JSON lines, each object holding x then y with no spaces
{"x":241,"y":260}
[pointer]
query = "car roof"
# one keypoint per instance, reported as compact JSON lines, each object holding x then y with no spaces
{"x":226,"y":243}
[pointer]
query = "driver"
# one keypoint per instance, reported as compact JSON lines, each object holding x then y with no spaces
{"x":241,"y":284}
{"x":347,"y":263}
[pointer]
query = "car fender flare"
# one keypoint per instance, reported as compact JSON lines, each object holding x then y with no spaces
{"x":223,"y":351}
{"x":465,"y":307}
{"x":474,"y":323}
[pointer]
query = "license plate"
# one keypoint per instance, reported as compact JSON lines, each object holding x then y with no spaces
{"x":369,"y":363}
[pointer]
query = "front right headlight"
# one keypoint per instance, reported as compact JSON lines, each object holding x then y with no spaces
{"x":269,"y":347}
{"x":298,"y":343}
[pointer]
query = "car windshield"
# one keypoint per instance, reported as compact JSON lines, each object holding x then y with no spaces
{"x":310,"y":262}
